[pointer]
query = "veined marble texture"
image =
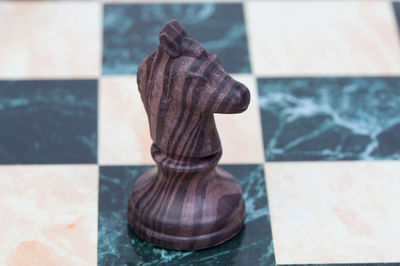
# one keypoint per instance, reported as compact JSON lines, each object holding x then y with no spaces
{"x":396,"y":7}
{"x":330,"y":118}
{"x":232,"y":128}
{"x":121,"y":110}
{"x":131,"y":33}
{"x":118,"y":245}
{"x":48,"y":215}
{"x":316,"y":38}
{"x":335,"y":212}
{"x":48,"y":121}
{"x":50,"y":39}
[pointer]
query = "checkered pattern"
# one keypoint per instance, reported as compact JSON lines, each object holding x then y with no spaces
{"x":322,"y":129}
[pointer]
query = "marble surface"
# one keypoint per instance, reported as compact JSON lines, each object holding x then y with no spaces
{"x":396,"y":8}
{"x":118,"y":245}
{"x":48,"y":215}
{"x":309,"y":38}
{"x":335,"y":212}
{"x":50,"y":39}
{"x":170,"y":1}
{"x":232,"y":128}
{"x":48,"y":121}
{"x":121,"y":110}
{"x":306,"y":64}
{"x":131,"y":33}
{"x":308,"y":119}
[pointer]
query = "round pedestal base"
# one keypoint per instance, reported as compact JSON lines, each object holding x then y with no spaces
{"x":186,"y":211}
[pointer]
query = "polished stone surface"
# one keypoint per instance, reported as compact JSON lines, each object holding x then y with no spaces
{"x":51,"y":210}
{"x":48,"y":121}
{"x":344,"y":264}
{"x":131,"y":33}
{"x":48,"y":215}
{"x":118,"y":245}
{"x":322,"y":38}
{"x":50,"y":39}
{"x":308,"y":119}
{"x":396,"y":8}
{"x":334,"y":212}
{"x":121,"y":110}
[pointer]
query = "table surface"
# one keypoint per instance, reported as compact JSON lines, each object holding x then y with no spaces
{"x":316,"y":153}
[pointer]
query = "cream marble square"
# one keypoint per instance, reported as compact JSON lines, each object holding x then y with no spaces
{"x":322,"y":38}
{"x":240,"y":134}
{"x":169,"y":1}
{"x":335,"y":212}
{"x":50,"y":39}
{"x":48,"y":215}
{"x":124,"y":135}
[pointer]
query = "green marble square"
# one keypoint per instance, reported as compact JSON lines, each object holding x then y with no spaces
{"x":330,"y":118}
{"x":48,"y":121}
{"x":130,"y":33}
{"x":118,"y":245}
{"x":396,"y":7}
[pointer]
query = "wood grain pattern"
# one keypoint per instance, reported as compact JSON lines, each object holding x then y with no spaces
{"x":186,"y":202}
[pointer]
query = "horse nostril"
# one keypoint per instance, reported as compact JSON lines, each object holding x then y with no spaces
{"x":237,"y":97}
{"x":246,"y":95}
{"x":240,"y":98}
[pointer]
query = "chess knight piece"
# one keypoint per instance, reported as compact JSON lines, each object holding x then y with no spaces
{"x":186,"y":202}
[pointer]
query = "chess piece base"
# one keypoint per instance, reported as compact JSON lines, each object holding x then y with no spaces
{"x":186,"y":211}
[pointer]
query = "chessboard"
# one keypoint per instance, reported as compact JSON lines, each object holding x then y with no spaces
{"x":317,"y":153}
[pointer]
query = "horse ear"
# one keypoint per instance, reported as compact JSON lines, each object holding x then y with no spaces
{"x":171,"y":37}
{"x":170,"y":46}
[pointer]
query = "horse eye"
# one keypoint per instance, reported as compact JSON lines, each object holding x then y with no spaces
{"x":195,"y":75}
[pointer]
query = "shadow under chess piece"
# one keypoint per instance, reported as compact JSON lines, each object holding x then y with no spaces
{"x":186,"y":202}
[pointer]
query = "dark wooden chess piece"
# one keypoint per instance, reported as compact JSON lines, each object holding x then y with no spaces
{"x":186,"y":202}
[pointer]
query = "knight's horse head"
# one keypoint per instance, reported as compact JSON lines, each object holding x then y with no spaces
{"x":181,"y":85}
{"x":213,"y":90}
